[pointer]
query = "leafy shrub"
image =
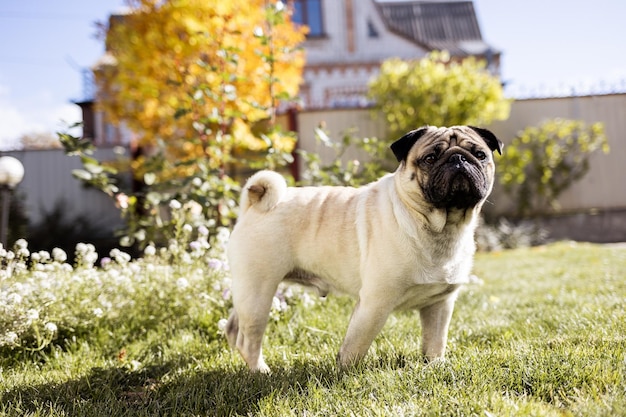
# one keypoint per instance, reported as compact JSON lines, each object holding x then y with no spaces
{"x":437,"y":90}
{"x":505,"y":234}
{"x":542,"y":162}
{"x":57,"y":230}
{"x":347,"y":172}
{"x":220,"y":113}
{"x":47,"y":301}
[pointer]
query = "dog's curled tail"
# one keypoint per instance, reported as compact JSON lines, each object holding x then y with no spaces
{"x":263,"y":190}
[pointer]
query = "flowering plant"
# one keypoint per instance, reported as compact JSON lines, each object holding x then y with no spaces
{"x":45,"y":300}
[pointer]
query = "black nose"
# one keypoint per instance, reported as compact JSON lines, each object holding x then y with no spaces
{"x":457,"y":158}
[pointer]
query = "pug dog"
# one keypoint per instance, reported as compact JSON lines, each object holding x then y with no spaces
{"x":405,"y":241}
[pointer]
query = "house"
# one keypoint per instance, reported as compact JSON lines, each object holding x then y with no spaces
{"x":348,"y":40}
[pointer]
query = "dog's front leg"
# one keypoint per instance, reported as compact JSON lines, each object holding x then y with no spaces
{"x":435,"y":322}
{"x":368,"y":318}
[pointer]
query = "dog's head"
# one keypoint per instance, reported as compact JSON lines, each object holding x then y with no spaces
{"x":449,"y":167}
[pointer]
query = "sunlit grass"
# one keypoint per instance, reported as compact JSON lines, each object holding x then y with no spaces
{"x":545,"y":334}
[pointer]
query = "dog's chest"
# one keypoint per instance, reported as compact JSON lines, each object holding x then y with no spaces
{"x":422,"y":295}
{"x":456,"y":272}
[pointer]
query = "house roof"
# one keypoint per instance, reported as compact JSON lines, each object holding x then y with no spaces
{"x":436,"y":25}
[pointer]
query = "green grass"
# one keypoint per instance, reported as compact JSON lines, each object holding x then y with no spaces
{"x":544,"y":335}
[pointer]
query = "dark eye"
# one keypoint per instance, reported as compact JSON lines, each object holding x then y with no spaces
{"x":481,"y":155}
{"x":430,"y":159}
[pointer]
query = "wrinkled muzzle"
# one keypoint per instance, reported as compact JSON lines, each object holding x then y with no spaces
{"x":457,"y":182}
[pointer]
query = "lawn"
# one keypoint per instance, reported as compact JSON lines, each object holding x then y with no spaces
{"x":544,"y":334}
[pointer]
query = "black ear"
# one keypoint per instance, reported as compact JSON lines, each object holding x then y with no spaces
{"x":402,"y":146}
{"x":492,"y":141}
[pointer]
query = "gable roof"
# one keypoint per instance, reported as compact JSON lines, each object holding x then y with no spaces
{"x":436,"y":25}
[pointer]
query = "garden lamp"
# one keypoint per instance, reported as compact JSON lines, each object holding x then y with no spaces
{"x":11,"y":173}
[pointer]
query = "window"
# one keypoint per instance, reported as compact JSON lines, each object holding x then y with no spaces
{"x":371,"y":30}
{"x":309,"y":13}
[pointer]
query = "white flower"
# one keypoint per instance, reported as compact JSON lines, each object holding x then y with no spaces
{"x":187,"y":228}
{"x":91,"y":258}
{"x":104,"y":302}
{"x":182,"y":283}
{"x":215,"y":264}
{"x":32,"y":314}
{"x":51,"y":327}
{"x":43,"y":255}
{"x":203,"y":231}
{"x":149,"y":250}
{"x":42,"y":277}
{"x":11,"y":338}
{"x":140,"y":235}
{"x":21,"y":243}
{"x":98,"y":312}
{"x":59,"y":255}
{"x":14,"y":298}
{"x":223,"y":234}
{"x":173,"y":248}
{"x":81,"y":248}
{"x":221,"y":325}
{"x":121,"y":200}
{"x":186,"y":258}
{"x":119,"y":256}
{"x":175,"y":205}
{"x":307,"y":300}
{"x":35,"y":257}
{"x":194,"y":209}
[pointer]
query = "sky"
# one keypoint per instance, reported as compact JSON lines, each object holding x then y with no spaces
{"x":547,"y":46}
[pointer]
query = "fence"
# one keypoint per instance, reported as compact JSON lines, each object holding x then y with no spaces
{"x":48,"y":185}
{"x":48,"y":180}
{"x":602,"y":189}
{"x":593,"y":209}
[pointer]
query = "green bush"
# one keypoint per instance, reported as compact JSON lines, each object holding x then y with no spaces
{"x":48,"y":299}
{"x":347,"y":172}
{"x":542,"y":162}
{"x":437,"y":90}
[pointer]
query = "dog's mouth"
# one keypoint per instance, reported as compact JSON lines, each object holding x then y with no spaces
{"x":458,"y":183}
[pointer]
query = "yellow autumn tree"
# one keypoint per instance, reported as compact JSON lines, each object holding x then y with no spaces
{"x":196,"y":76}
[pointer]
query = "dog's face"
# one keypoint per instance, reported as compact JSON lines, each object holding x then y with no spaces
{"x":447,"y":168}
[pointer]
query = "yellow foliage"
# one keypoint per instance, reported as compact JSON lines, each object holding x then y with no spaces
{"x":181,"y":63}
